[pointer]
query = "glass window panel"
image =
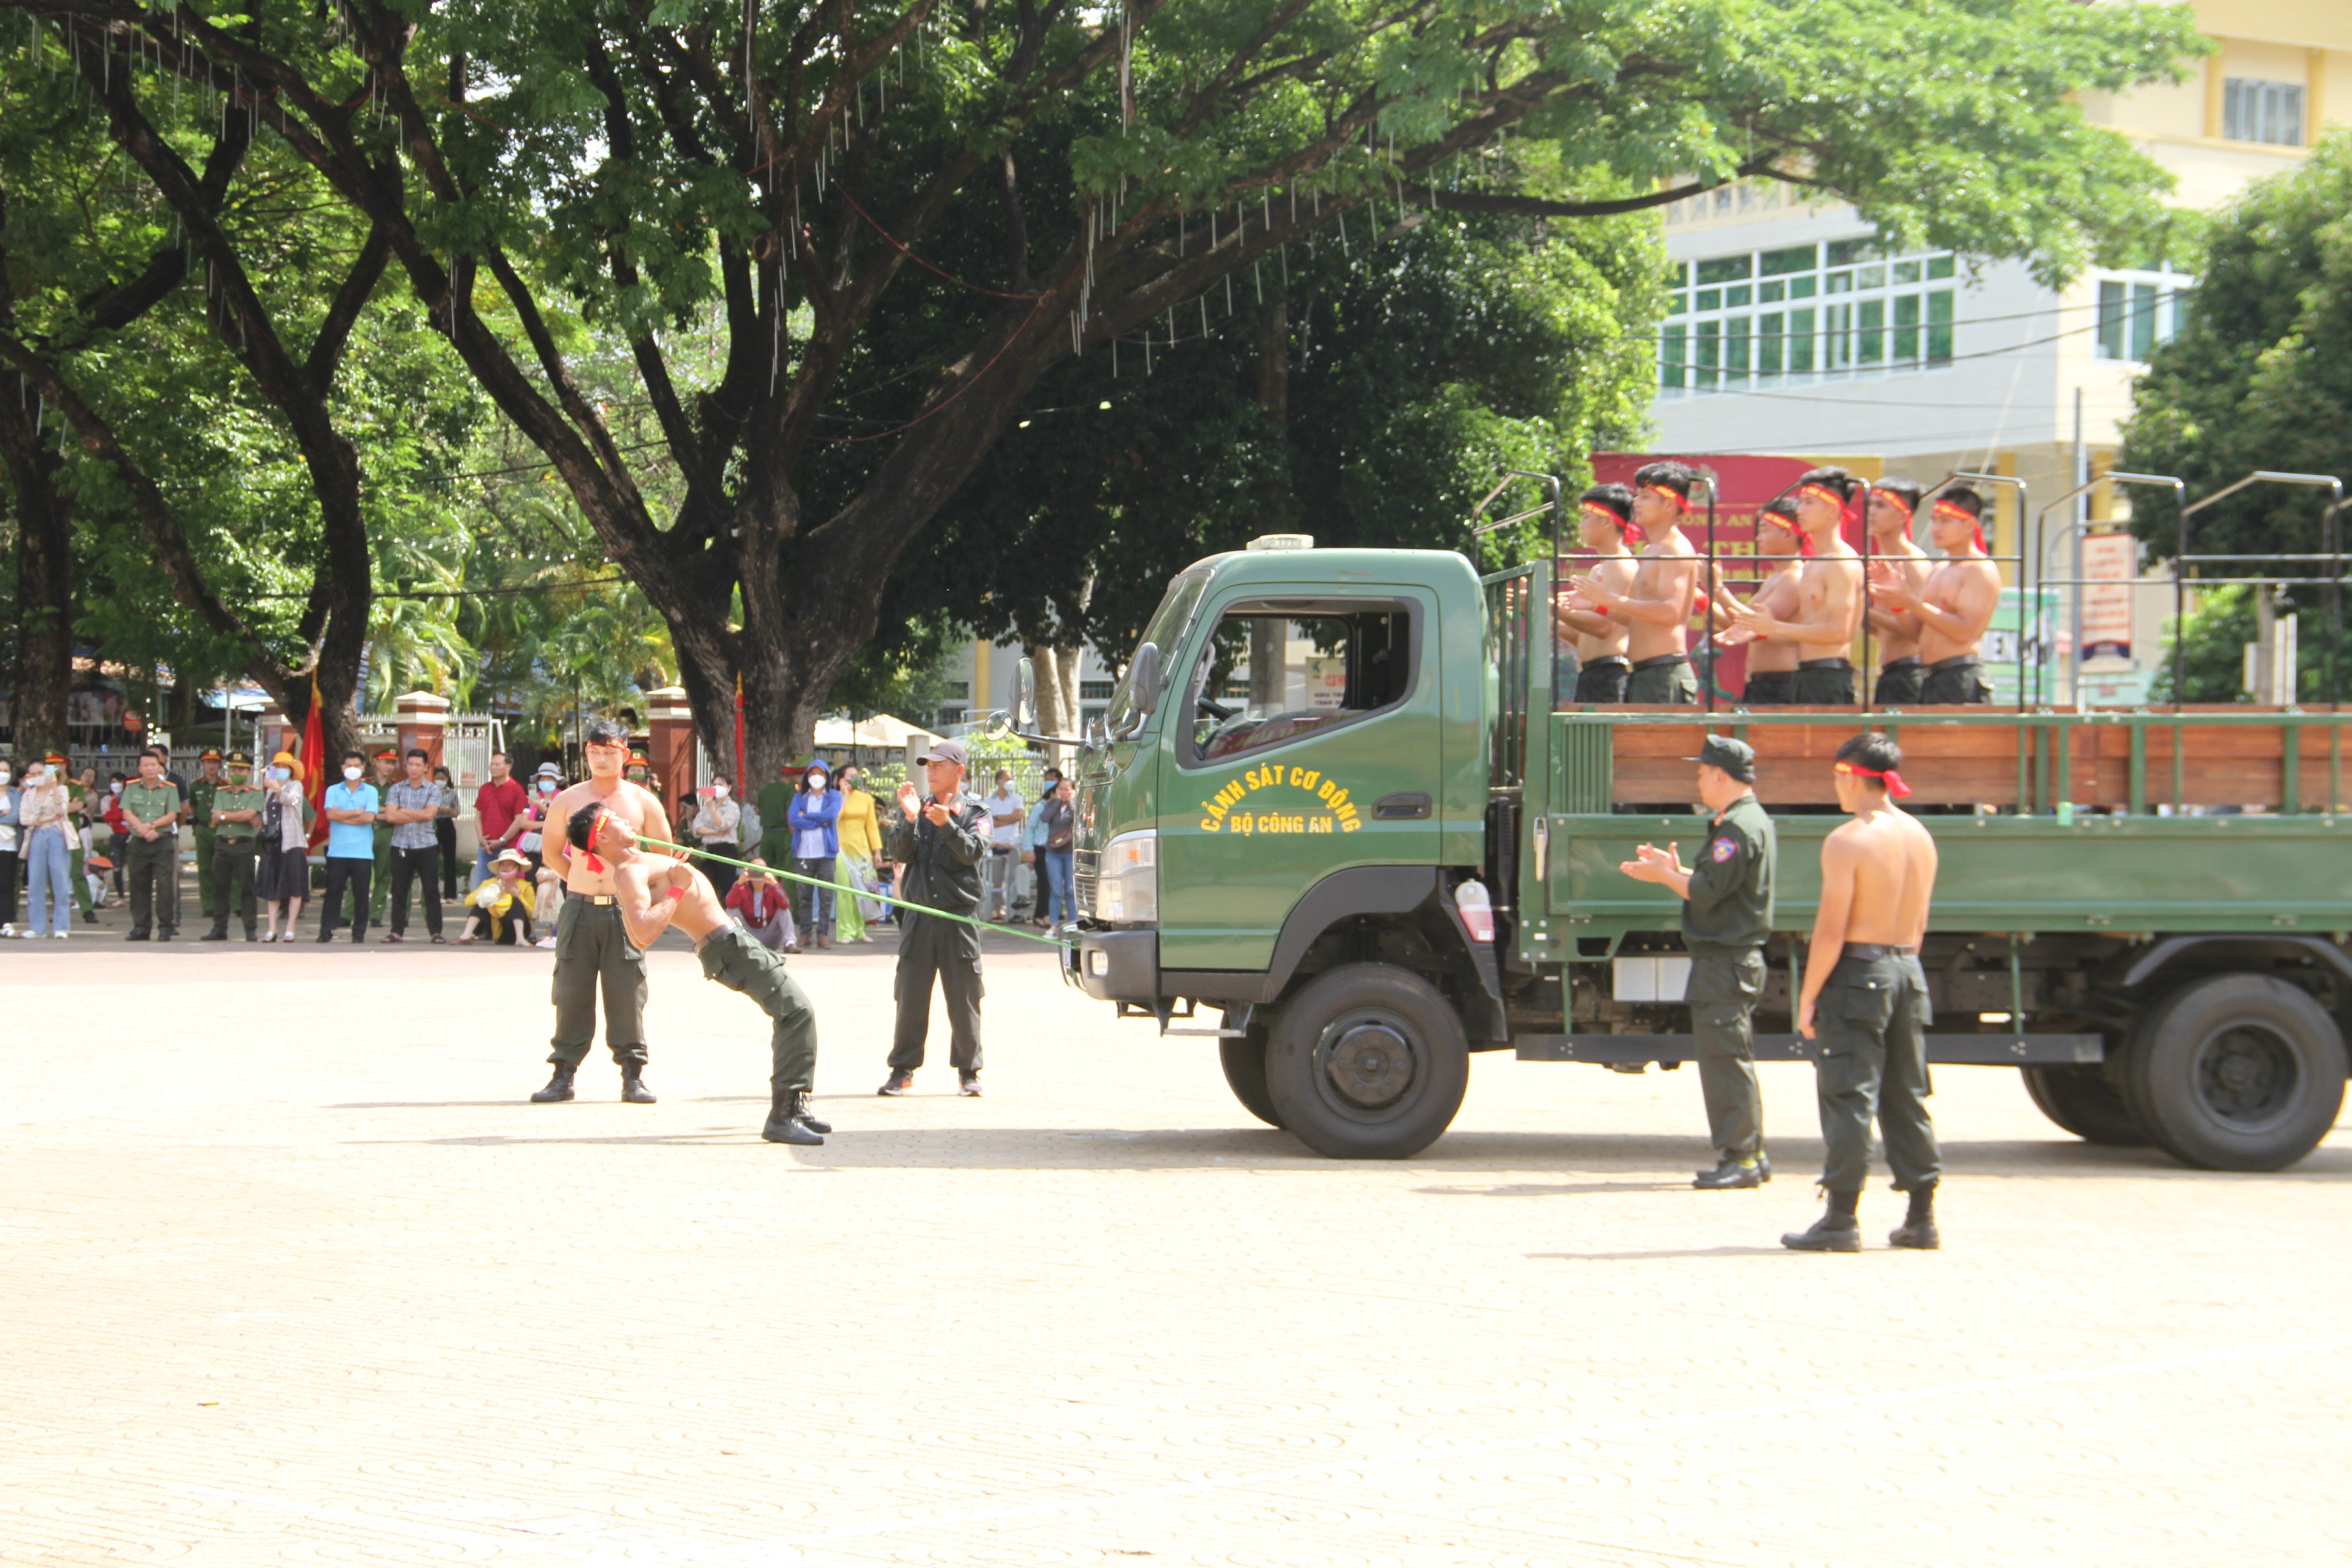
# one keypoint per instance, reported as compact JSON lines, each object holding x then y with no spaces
{"x":1797,"y":258}
{"x":1841,"y":283}
{"x":1725,"y":268}
{"x":1677,"y":303}
{"x":1677,"y":274}
{"x":1846,"y":252}
{"x":1803,"y":288}
{"x":1871,"y":277}
{"x":1801,"y":339}
{"x":1940,"y":267}
{"x":1710,"y":352}
{"x":1710,"y":298}
{"x":2143,"y":323}
{"x":1769,"y":331}
{"x":1735,"y":350}
{"x":1837,"y":339}
{"x":1735,"y":296}
{"x":1766,"y":294}
{"x":1673,"y":345}
{"x":1907,"y":328}
{"x":1873,"y":338}
{"x":1907,"y":272}
{"x":2110,"y":330}
{"x":1939,"y":326}
{"x":1327,"y":670}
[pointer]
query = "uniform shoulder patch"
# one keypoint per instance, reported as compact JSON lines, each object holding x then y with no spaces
{"x":1725,"y":848}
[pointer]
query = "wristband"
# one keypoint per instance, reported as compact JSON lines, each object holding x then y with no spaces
{"x":1606,"y":611}
{"x":676,"y":892}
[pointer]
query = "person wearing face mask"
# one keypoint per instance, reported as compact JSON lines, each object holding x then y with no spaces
{"x":10,"y":852}
{"x":350,"y":806}
{"x":41,"y":828}
{"x":718,"y":828}
{"x":549,"y":883}
{"x":815,"y":818}
{"x":281,"y":877}
{"x":236,"y":813}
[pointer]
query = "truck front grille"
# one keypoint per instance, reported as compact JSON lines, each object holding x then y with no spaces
{"x":1085,"y":868}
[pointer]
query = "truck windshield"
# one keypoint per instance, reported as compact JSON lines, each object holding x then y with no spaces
{"x":1166,"y":629}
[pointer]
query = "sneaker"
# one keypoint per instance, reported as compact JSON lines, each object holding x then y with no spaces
{"x":969,"y":1085}
{"x":1730,"y":1174}
{"x":896,"y":1084}
{"x":8,"y":932}
{"x":545,"y":941}
{"x":61,"y":933}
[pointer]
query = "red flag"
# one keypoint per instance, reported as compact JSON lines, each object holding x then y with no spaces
{"x":314,"y":765}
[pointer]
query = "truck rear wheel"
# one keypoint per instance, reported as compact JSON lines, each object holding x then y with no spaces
{"x":2237,"y":1072}
{"x":2081,"y":1100}
{"x":1245,"y":1063}
{"x":1368,"y":1062}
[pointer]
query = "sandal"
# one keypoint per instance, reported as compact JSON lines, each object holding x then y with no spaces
{"x":440,"y":942}
{"x":392,"y":937}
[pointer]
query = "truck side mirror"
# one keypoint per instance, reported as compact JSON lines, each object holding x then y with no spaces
{"x":1024,"y":697}
{"x":1143,"y":680}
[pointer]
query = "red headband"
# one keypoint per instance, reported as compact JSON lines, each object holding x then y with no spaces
{"x":595,"y":827}
{"x":1681,"y":501}
{"x":1956,"y":512}
{"x":1625,"y":525}
{"x":1788,"y":524}
{"x":1890,"y":778}
{"x":1846,"y":510}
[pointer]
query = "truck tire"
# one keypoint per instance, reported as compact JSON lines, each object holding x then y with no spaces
{"x":2236,"y":1072}
{"x":1245,"y":1063}
{"x":2081,"y":1100}
{"x":1368,"y":1062}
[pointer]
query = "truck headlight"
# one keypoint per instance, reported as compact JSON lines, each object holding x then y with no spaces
{"x":1127,"y":885}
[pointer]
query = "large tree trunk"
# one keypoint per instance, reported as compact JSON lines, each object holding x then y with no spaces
{"x":44,"y":582}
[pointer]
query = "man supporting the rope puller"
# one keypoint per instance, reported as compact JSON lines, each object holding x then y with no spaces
{"x":656,"y":891}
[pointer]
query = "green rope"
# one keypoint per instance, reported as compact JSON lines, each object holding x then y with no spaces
{"x":878,"y":897}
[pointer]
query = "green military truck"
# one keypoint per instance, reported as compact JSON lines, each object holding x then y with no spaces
{"x":1334,"y":799}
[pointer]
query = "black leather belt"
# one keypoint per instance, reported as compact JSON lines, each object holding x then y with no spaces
{"x":1965,"y":661}
{"x":1661,"y":660}
{"x":1606,"y":659}
{"x":1870,"y":950}
{"x":1825,"y":664}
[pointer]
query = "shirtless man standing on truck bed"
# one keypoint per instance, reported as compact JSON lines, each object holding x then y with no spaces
{"x":1781,"y":548}
{"x":1657,"y":607}
{"x":1829,"y":593}
{"x":1865,"y":1000}
{"x":1605,"y":523}
{"x":1957,"y":603}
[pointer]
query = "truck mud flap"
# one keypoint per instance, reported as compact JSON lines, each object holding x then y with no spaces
{"x":1956,"y":1050}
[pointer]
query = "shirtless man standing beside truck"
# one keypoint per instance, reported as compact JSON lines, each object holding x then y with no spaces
{"x":1865,"y":1000}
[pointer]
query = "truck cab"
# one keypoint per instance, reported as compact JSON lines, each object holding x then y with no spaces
{"x":1288,"y":801}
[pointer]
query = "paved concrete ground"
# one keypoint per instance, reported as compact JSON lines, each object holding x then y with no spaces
{"x":293,"y":1273}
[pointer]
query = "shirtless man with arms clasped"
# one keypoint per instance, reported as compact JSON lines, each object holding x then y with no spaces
{"x":657,"y":892}
{"x":1829,"y":593}
{"x":1606,"y":525}
{"x":589,"y":945}
{"x":1892,"y":505}
{"x":1657,"y":606}
{"x":1780,"y":555}
{"x":1865,"y":1000}
{"x":1955,"y":606}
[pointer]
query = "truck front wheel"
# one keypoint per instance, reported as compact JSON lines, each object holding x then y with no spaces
{"x":2082,"y":1100}
{"x":1243,"y":1059}
{"x":1368,"y":1062}
{"x":2237,"y":1072}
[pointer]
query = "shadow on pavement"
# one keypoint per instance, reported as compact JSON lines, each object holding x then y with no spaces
{"x":1669,"y":1253}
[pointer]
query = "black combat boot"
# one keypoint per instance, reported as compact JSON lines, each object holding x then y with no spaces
{"x":801,"y":1112}
{"x":1732,"y":1173}
{"x":558,"y":1088}
{"x":786,"y":1122}
{"x":633,"y":1087}
{"x":1838,"y":1230}
{"x":1918,"y":1230}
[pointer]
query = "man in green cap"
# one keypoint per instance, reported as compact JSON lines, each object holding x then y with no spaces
{"x":200,"y":822}
{"x":1727,"y":920}
{"x":235,"y":815}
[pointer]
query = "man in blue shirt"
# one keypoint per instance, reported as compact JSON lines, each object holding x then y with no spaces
{"x":351,"y":808}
